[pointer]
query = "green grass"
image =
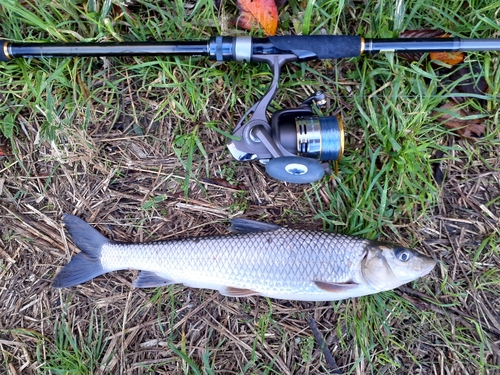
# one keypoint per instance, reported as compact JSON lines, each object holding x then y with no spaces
{"x":385,"y":188}
{"x":73,"y":353}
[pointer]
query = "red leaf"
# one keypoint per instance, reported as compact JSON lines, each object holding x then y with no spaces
{"x":258,"y":12}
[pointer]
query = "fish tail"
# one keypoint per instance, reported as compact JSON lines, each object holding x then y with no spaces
{"x":87,"y":264}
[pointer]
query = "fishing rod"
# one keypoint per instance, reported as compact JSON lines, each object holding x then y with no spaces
{"x":294,"y":144}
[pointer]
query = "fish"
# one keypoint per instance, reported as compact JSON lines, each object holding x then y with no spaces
{"x":257,"y":259}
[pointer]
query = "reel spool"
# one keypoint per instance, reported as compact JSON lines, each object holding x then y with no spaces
{"x":313,"y":139}
{"x":308,"y":135}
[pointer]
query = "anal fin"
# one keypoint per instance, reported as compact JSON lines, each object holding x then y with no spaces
{"x":237,"y":292}
{"x":335,"y":287}
{"x":148,"y":279}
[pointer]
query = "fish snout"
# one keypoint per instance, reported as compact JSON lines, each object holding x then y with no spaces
{"x":427,"y":265}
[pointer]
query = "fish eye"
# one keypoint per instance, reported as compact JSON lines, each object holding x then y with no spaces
{"x":402,"y":254}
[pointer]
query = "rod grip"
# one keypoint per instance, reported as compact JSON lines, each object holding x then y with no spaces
{"x":4,"y":55}
{"x":319,"y":46}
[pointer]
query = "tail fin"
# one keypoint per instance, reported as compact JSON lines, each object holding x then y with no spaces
{"x":87,"y":264}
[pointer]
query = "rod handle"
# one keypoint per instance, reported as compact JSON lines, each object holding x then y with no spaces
{"x":307,"y":47}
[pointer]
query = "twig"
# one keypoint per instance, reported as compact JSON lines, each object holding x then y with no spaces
{"x":322,"y":344}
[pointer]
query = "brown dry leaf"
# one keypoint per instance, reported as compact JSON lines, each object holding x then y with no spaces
{"x":415,"y":56}
{"x":450,"y":58}
{"x":464,"y":127}
{"x":258,"y":12}
{"x":474,"y":84}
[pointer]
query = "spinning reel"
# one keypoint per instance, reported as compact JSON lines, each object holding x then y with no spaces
{"x":295,"y":145}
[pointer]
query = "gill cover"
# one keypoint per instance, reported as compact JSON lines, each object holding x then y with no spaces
{"x":376,"y":270}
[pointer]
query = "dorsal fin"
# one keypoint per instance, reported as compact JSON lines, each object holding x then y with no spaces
{"x":251,"y":226}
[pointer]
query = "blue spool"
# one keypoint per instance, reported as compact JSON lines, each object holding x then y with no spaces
{"x":320,"y":137}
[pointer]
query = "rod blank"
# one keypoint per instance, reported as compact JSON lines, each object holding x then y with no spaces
{"x":40,"y":50}
{"x":430,"y":45}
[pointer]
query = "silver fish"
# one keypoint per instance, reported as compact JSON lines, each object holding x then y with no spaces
{"x":262,"y":259}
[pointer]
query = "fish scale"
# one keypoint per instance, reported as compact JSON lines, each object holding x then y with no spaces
{"x":262,"y":259}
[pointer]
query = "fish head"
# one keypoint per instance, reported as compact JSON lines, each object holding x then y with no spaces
{"x":388,"y":266}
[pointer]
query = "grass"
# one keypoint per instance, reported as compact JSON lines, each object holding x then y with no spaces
{"x":129,"y":142}
{"x":74,"y":354}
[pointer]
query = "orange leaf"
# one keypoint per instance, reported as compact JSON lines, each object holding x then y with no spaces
{"x":258,"y":12}
{"x":450,"y":58}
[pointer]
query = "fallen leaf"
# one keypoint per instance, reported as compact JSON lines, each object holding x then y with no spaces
{"x":450,"y":58}
{"x":455,"y":118}
{"x":258,"y":12}
{"x":473,"y":83}
{"x":415,"y":56}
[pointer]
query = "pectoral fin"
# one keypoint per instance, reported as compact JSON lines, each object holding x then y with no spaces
{"x":237,"y":292}
{"x":336,"y":287}
{"x":148,"y":279}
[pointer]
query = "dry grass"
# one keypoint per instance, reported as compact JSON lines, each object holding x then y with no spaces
{"x":118,"y":160}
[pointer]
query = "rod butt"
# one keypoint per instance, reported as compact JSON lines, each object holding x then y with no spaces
{"x":4,"y":51}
